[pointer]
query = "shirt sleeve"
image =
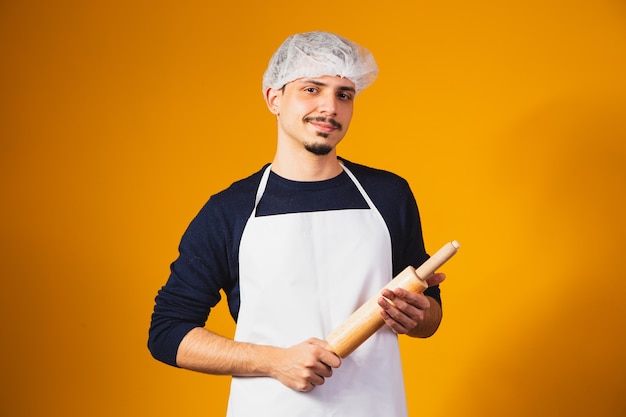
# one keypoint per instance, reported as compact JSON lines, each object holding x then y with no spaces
{"x":193,"y":286}
{"x":207,"y":263}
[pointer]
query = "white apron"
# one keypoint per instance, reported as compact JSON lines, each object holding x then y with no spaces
{"x":336,"y":260}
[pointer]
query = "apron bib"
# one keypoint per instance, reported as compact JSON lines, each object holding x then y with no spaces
{"x":301,"y":276}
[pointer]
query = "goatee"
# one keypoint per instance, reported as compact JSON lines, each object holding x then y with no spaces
{"x":319,"y":149}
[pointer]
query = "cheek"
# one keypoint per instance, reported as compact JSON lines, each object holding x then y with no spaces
{"x":295,"y":109}
{"x":305,"y":107}
{"x":346,"y":115}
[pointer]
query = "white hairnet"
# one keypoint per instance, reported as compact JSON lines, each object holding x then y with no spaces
{"x":315,"y":54}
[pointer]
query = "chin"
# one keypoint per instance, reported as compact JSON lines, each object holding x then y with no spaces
{"x":319,"y":149}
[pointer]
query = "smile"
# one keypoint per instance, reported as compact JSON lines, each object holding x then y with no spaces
{"x":324,"y":124}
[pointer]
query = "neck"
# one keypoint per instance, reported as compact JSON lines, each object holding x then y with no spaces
{"x":306,"y":166}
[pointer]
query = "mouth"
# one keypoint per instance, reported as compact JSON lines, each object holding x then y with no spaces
{"x":323,"y":124}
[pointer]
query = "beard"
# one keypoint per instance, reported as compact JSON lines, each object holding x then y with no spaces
{"x":319,"y":149}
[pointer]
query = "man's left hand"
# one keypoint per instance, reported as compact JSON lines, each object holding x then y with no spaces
{"x":405,"y":312}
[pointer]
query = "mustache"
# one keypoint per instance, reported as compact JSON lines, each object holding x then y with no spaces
{"x":323,"y":119}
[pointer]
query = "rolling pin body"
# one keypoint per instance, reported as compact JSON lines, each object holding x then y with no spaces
{"x":366,"y":320}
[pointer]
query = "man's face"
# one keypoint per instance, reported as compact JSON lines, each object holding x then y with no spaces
{"x":314,"y":112}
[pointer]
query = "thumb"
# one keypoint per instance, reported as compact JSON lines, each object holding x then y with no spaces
{"x":435,"y":279}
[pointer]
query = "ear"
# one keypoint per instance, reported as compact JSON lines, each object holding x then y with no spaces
{"x":272,"y":99}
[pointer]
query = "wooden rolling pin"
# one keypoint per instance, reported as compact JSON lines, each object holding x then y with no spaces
{"x":367,"y":320}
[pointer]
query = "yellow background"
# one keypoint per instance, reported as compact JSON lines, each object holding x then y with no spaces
{"x":119,"y":119}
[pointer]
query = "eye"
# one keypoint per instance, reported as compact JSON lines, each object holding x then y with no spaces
{"x":310,"y":90}
{"x":344,"y":96}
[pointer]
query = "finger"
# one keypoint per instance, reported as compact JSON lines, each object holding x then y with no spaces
{"x":330,"y":359}
{"x":393,"y":324}
{"x":318,"y":375}
{"x":403,"y":299}
{"x":399,"y":319}
{"x":435,"y":279}
{"x":323,"y":370}
{"x":317,"y":380}
{"x":326,"y":356}
{"x":318,"y":342}
{"x":307,"y":387}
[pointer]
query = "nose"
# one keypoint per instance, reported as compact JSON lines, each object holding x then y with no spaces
{"x":328,"y":104}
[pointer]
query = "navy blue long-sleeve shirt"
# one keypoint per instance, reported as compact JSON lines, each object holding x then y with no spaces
{"x":209,"y":249}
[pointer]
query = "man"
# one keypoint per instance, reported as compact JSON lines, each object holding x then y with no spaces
{"x":297,"y":247}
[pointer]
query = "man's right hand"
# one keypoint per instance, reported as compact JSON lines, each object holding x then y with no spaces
{"x":305,"y":365}
{"x":300,"y":367}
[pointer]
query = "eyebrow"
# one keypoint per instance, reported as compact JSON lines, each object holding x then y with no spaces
{"x":321,"y":84}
